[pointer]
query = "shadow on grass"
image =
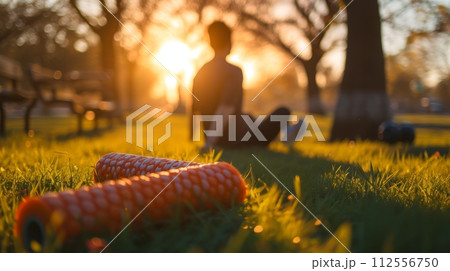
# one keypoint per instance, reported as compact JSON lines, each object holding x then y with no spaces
{"x":204,"y":232}
{"x":428,"y":150}
{"x":339,"y":192}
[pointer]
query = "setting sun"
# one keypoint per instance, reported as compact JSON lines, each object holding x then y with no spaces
{"x":182,"y":61}
{"x":177,"y":57}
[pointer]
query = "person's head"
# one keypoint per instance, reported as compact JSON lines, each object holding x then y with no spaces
{"x":220,"y":37}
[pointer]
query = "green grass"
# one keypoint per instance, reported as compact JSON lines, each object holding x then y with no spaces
{"x":374,"y":197}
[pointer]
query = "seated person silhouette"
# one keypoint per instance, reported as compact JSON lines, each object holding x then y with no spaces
{"x":218,"y":87}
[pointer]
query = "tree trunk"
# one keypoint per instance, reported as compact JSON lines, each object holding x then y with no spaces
{"x":363,"y":102}
{"x":131,"y":83}
{"x":315,"y":105}
{"x":108,"y":60}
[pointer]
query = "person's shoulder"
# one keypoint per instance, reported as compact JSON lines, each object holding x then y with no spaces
{"x":234,"y":70}
{"x":202,"y":72}
{"x":205,"y":66}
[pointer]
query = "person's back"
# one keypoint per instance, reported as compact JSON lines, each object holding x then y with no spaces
{"x":217,"y":82}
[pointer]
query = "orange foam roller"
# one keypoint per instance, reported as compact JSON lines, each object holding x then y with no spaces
{"x":106,"y":207}
{"x":113,"y":166}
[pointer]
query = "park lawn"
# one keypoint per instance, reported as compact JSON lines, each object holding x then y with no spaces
{"x":374,"y":197}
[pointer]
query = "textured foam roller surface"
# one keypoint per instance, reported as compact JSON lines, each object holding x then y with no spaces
{"x":106,"y":207}
{"x":113,"y":166}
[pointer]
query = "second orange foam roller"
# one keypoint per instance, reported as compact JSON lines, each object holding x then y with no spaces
{"x":115,"y":165}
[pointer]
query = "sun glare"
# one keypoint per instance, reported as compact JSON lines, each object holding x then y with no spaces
{"x":247,"y":66}
{"x":178,"y":58}
{"x":175,"y":56}
{"x":249,"y":70}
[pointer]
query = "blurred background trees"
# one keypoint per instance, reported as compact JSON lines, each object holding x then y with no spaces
{"x":363,"y":103}
{"x":306,"y":21}
{"x":20,"y":17}
{"x":419,"y":61}
{"x":82,"y":34}
{"x":105,"y":19}
{"x":43,"y":32}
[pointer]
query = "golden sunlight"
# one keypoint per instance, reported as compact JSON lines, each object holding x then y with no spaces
{"x":171,"y":89}
{"x":175,"y":56}
{"x":178,"y":58}
{"x":182,"y":60}
{"x":248,"y":69}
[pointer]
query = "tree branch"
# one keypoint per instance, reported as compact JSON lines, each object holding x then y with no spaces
{"x":269,"y":38}
{"x":333,"y":9}
{"x":82,"y":16}
{"x":305,"y":15}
